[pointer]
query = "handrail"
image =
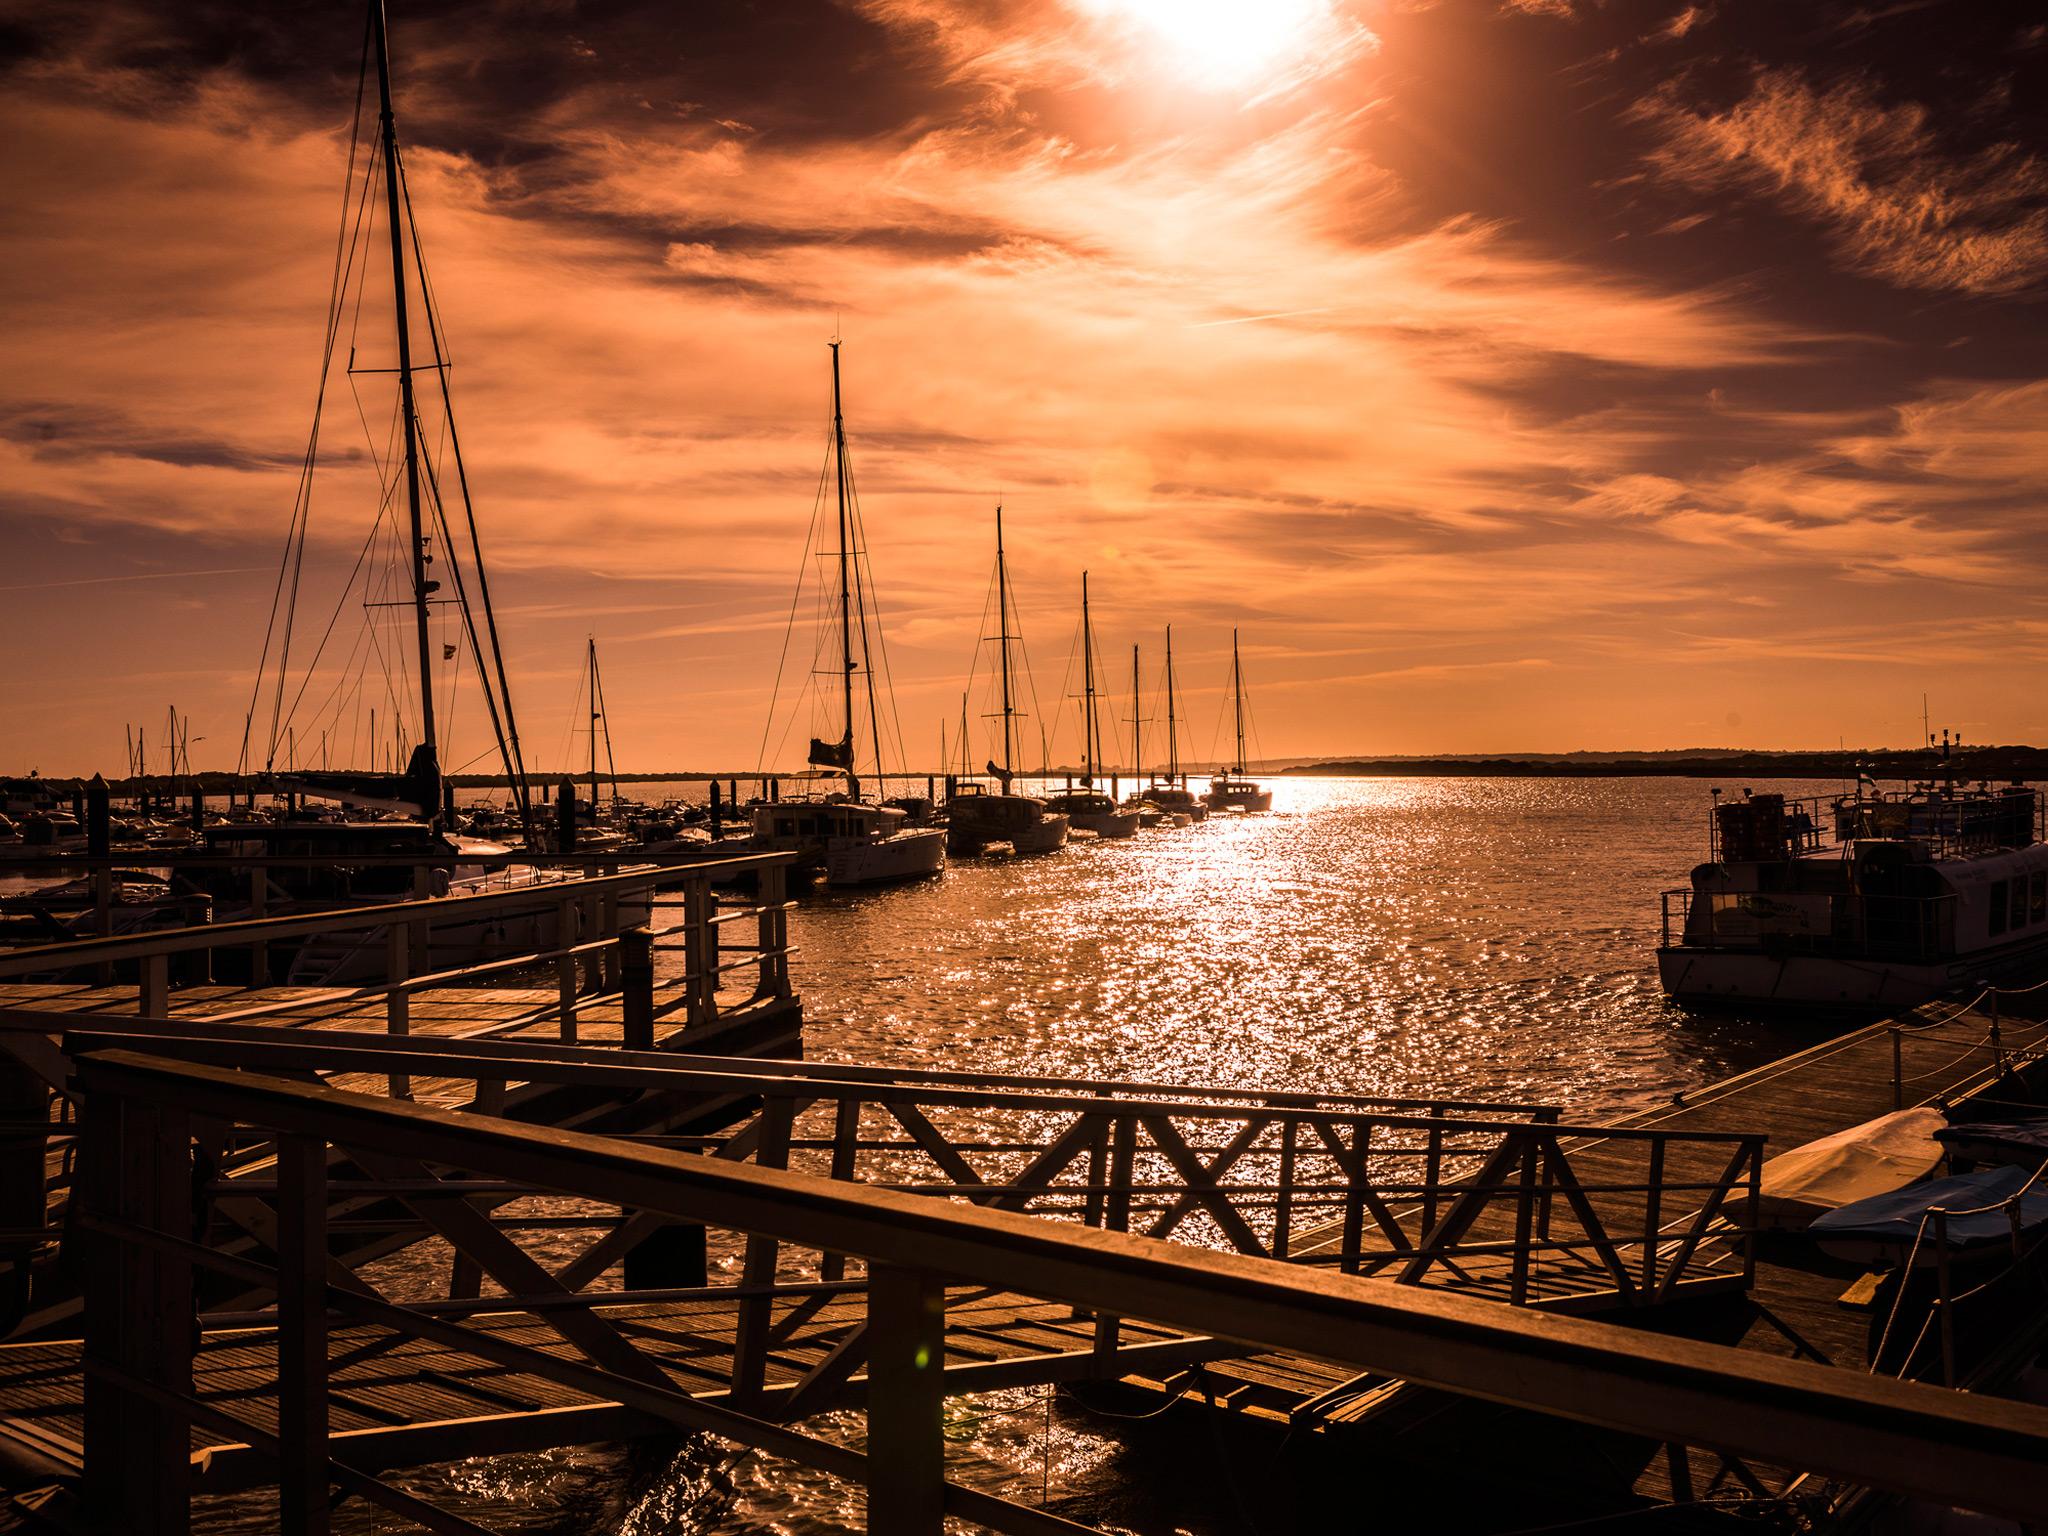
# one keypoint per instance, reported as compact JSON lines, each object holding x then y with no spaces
{"x":44,"y":957}
{"x":1906,"y":1437}
{"x":496,"y":1056}
{"x":427,"y":1056}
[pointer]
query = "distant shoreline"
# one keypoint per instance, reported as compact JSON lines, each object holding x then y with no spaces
{"x":2026,"y":763}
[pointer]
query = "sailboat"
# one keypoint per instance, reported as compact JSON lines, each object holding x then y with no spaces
{"x":976,"y":819}
{"x":1087,"y":808}
{"x":1230,"y":790}
{"x":842,"y":837}
{"x":1170,"y":792}
{"x":345,"y":859}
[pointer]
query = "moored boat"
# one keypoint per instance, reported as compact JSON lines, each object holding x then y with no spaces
{"x":1918,"y":893}
{"x":978,"y":819}
{"x":1231,"y":789}
{"x":842,"y":838}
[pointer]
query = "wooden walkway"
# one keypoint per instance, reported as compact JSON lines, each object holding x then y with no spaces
{"x":1793,"y":1309}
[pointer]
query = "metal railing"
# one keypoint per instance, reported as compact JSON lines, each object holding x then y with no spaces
{"x":1910,"y":929}
{"x":921,"y":1257}
{"x":590,"y":949}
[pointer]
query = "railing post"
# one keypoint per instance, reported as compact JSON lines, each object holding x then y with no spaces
{"x":772,"y":934}
{"x":1653,"y":1214}
{"x":757,"y":1269}
{"x":565,"y":968}
{"x":593,"y":928}
{"x":610,"y":960}
{"x":845,"y":1164}
{"x":1283,"y":1199}
{"x":156,"y":986}
{"x":906,"y":1402}
{"x":259,"y":907}
{"x":1945,"y":1299}
{"x":700,"y":986}
{"x":1898,"y":1070}
{"x":139,"y":1318}
{"x":1997,"y":1048}
{"x":1432,"y":1169}
{"x":302,"y":1335}
{"x":1525,"y":1200}
{"x":1752,"y":1212}
{"x":422,"y":890}
{"x":398,"y":1001}
{"x":103,"y":918}
{"x":636,"y":989}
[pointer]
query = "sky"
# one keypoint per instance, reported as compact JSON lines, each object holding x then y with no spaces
{"x":1511,"y":375}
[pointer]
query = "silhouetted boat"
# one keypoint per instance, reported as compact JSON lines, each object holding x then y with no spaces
{"x":1917,"y":894}
{"x":1231,"y":790}
{"x":1169,"y":794}
{"x":842,"y":837}
{"x":1087,"y":808}
{"x":978,"y":819}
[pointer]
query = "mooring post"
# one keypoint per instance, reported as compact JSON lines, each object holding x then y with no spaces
{"x":1997,"y":1048}
{"x":636,"y":989}
{"x":302,"y":1335}
{"x":717,"y":817}
{"x":565,"y":818}
{"x":906,"y":1402}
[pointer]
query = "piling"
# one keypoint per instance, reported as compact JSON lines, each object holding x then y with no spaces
{"x":98,"y":821}
{"x":565,"y":817}
{"x":715,"y":813}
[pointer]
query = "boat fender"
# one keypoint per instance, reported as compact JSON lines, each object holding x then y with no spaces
{"x":438,"y":883}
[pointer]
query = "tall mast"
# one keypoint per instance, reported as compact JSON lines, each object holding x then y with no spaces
{"x":1237,"y":694}
{"x":845,"y":581}
{"x":1137,"y":720}
{"x":1172,"y":740}
{"x":593,"y":724}
{"x":1090,"y":741}
{"x":420,"y":587}
{"x":1003,"y":644}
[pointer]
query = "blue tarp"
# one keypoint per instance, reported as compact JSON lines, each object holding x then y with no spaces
{"x":1896,"y":1216}
{"x":2023,"y":1139}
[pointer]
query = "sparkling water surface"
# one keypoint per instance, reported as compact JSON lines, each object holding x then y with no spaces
{"x":1479,"y":937}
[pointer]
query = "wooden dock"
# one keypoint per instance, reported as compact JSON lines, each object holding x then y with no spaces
{"x":1340,"y":1236}
{"x":315,"y":1388}
{"x":1792,"y":1307}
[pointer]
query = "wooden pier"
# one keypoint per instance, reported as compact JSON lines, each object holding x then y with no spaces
{"x":753,"y":1241}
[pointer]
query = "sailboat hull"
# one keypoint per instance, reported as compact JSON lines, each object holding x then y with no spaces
{"x":909,"y":855}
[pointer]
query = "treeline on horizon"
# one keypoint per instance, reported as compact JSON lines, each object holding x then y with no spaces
{"x":2029,"y":763}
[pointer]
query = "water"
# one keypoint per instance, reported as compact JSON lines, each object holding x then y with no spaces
{"x":1473,"y":937}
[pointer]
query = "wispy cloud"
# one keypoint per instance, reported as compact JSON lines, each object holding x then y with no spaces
{"x":1895,"y":204}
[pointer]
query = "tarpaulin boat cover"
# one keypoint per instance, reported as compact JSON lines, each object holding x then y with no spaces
{"x":2001,"y":1141}
{"x":1869,"y":1159}
{"x":1895,"y":1217}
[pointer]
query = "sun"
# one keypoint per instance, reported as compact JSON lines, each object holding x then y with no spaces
{"x":1220,"y":44}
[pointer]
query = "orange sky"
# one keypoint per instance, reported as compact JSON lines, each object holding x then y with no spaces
{"x":1515,"y":377}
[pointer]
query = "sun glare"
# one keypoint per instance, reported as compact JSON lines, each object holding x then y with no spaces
{"x":1219,"y":44}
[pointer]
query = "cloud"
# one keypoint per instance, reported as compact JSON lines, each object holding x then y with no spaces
{"x":1896,"y":206}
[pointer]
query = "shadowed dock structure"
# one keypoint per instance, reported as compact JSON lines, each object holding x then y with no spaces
{"x":540,"y":1217}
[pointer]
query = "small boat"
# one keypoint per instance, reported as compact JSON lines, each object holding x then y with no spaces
{"x":1918,"y":893}
{"x":1873,"y":1158}
{"x":842,"y":837}
{"x":1231,"y":790}
{"x":979,"y":819}
{"x":1087,"y":808}
{"x":1168,"y":795}
{"x":1984,"y":1213}
{"x":2021,"y":1142}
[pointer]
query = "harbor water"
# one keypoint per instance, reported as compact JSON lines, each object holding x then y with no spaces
{"x":1479,"y":937}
